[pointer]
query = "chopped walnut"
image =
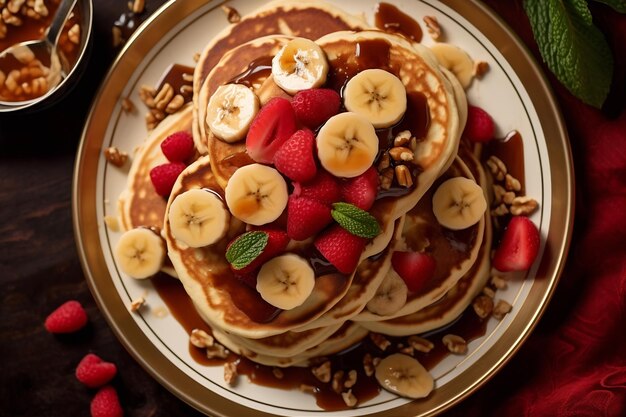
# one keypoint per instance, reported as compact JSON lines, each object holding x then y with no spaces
{"x":216,"y":351}
{"x":384,"y":163}
{"x":497,"y":167}
{"x":337,"y":382}
{"x":368,"y":365}
{"x":498,"y":282}
{"x":400,"y":153}
{"x":230,"y":373}
{"x":351,"y":379}
{"x":523,"y":205}
{"x":127,"y":105}
{"x":380,"y":341}
{"x":278,"y":373}
{"x":232,"y":14}
{"x":114,"y":156}
{"x":501,"y":210}
{"x":480,"y":68}
{"x":116,"y":35}
{"x":307,"y":388}
{"x":137,"y":303}
{"x":402,"y":138}
{"x":407,"y":350}
{"x":322,"y":372}
{"x":501,"y":309}
{"x":432,"y":25}
{"x":175,"y":104}
{"x":112,"y":223}
{"x":164,"y":96}
{"x":349,"y":398}
{"x":74,"y":34}
{"x":201,"y":339}
{"x":403,"y":175}
{"x":420,"y":344}
{"x":511,"y":183}
{"x":455,"y":344}
{"x":386,"y":178}
{"x":488,"y":292}
{"x":483,"y":306}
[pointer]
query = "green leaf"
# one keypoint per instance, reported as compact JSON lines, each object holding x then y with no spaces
{"x":354,"y":220}
{"x":572,"y":47}
{"x":246,"y":248}
{"x":618,"y":5}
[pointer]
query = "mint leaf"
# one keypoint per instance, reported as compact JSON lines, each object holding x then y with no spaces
{"x":572,"y":47}
{"x":246,"y":248}
{"x":354,"y":220}
{"x":618,"y":5}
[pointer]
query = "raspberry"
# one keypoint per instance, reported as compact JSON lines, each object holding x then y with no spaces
{"x":106,"y":403}
{"x":178,"y":147}
{"x":295,"y":158}
{"x":94,"y":372}
{"x":67,"y":318}
{"x":314,"y":107}
{"x":306,"y":217}
{"x":479,"y":126}
{"x":164,"y":176}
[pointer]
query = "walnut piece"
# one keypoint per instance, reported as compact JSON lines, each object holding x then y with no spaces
{"x":337,"y":382}
{"x":351,"y":379}
{"x":232,"y":14}
{"x":455,"y":344}
{"x":483,"y":306}
{"x":380,"y":341}
{"x":498,"y":282}
{"x":497,"y":167}
{"x":400,"y":153}
{"x":278,"y":373}
{"x":523,"y":205}
{"x":480,"y":69}
{"x":201,"y":339}
{"x":403,"y":175}
{"x":349,"y":398}
{"x":433,"y":27}
{"x":230,"y":373}
{"x":420,"y":344}
{"x":501,"y":309}
{"x":402,"y":138}
{"x":137,"y":303}
{"x":511,"y":183}
{"x":386,"y":178}
{"x":322,"y":372}
{"x":114,"y":156}
{"x":216,"y":351}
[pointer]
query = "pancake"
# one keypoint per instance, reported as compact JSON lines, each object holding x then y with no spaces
{"x":304,"y":18}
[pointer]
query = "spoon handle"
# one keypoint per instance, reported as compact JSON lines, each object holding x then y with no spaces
{"x":65,"y":7}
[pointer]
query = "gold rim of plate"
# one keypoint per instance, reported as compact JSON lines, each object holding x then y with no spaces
{"x":86,"y":225}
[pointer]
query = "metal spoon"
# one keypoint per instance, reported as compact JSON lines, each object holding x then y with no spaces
{"x":45,"y":50}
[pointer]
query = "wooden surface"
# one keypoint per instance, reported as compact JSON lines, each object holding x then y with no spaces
{"x":40,"y":268}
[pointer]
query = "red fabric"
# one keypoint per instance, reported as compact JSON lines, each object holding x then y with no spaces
{"x":574,"y":363}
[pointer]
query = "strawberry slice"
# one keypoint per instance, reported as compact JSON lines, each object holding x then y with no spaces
{"x":324,"y":188}
{"x":306,"y":217}
{"x":341,"y":248}
{"x":271,"y":127}
{"x":519,"y":246}
{"x":277,"y":241}
{"x":479,"y":126}
{"x":362,"y":190}
{"x":415,"y":268}
{"x":295,"y":158}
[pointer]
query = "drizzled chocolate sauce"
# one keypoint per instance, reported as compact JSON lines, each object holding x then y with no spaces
{"x":389,"y":18}
{"x":178,"y":76}
{"x":257,"y":69}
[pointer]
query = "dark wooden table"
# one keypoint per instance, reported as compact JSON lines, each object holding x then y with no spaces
{"x":40,"y":267}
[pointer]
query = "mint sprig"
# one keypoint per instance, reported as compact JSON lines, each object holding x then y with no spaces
{"x":246,"y":248}
{"x":355,"y":220}
{"x":572,"y":47}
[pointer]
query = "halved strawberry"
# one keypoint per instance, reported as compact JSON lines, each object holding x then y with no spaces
{"x":362,"y":190}
{"x":271,"y":127}
{"x":519,"y":246}
{"x":277,"y":241}
{"x":296,"y":158}
{"x":415,"y":268}
{"x":324,"y":188}
{"x":479,"y":126}
{"x":306,"y":217}
{"x":341,"y":248}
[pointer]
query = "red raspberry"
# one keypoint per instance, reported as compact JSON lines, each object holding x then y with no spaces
{"x":295,"y":158}
{"x":164,"y":176}
{"x":479,"y":126}
{"x":178,"y":147}
{"x":324,"y":187}
{"x":314,"y":107}
{"x":106,"y":403}
{"x":306,"y":217}
{"x":341,"y":248}
{"x":362,"y":190}
{"x":67,"y":318}
{"x":94,"y":372}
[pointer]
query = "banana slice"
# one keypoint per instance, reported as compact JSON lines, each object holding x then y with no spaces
{"x":456,"y":60}
{"x":378,"y":95}
{"x":140,"y":252}
{"x":299,"y":65}
{"x":459,"y":203}
{"x":390,"y":296}
{"x":286,"y":281}
{"x":230,"y":111}
{"x":404,"y":376}
{"x":256,"y":194}
{"x":198,"y":218}
{"x":347,"y":145}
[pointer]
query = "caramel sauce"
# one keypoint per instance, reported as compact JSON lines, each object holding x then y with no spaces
{"x":389,"y":18}
{"x":510,"y":150}
{"x":179,"y":77}
{"x":258,"y":69}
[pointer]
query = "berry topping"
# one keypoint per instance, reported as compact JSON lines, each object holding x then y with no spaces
{"x":164,"y":176}
{"x":94,"y":372}
{"x":314,"y":107}
{"x":479,"y":126}
{"x":295,"y":158}
{"x":362,"y":190}
{"x":67,"y":318}
{"x":324,"y":188}
{"x":178,"y":147}
{"x":341,"y":248}
{"x":249,"y":251}
{"x":306,"y":217}
{"x":415,"y":268}
{"x":519,"y":246}
{"x":106,"y":403}
{"x":271,"y":127}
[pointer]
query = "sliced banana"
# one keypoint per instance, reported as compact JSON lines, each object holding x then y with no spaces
{"x":140,"y":252}
{"x":455,"y":59}
{"x":347,"y":145}
{"x":230,"y":111}
{"x":299,"y":65}
{"x":286,"y":281}
{"x":198,"y":218}
{"x":404,"y":376}
{"x":459,"y":203}
{"x":378,"y":95}
{"x":390,"y":296}
{"x":256,"y":194}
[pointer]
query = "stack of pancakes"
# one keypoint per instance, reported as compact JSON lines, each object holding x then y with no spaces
{"x":334,"y":316}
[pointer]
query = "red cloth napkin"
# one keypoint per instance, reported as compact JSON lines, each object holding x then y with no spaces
{"x":574,"y":363}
